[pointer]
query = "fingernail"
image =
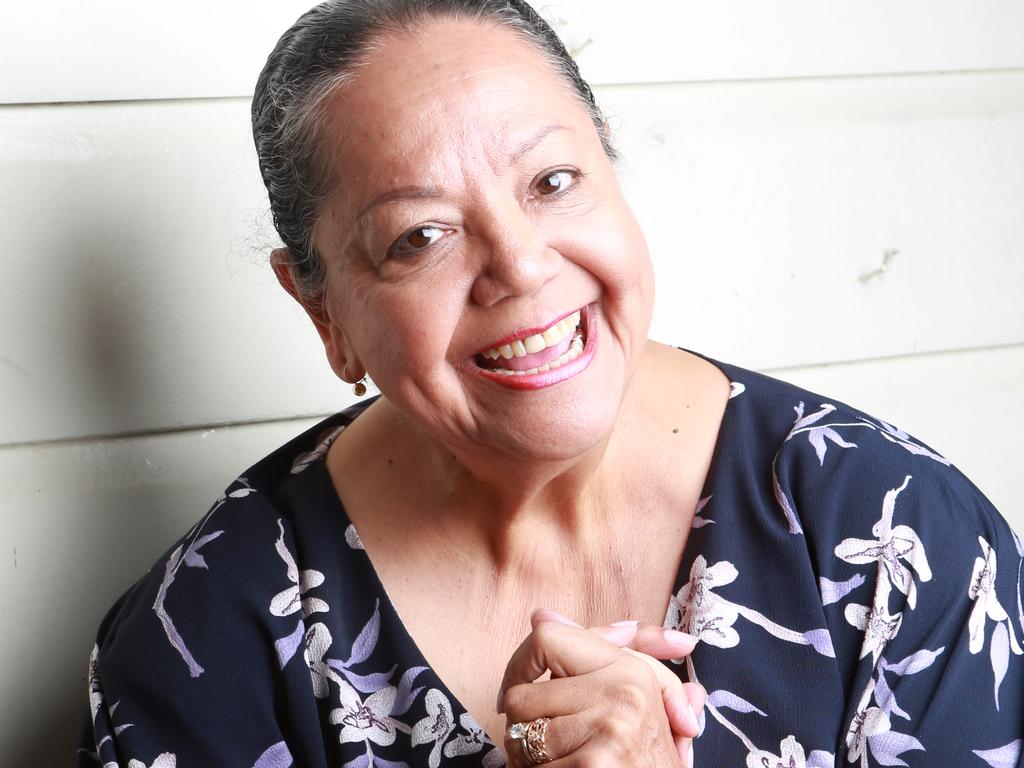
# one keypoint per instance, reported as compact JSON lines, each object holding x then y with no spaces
{"x":620,"y":633}
{"x":690,"y":756}
{"x":693,"y":718}
{"x":498,"y":704}
{"x":681,"y":639}
{"x":624,"y":623}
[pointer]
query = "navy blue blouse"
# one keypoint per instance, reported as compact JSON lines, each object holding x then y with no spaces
{"x":857,"y":599}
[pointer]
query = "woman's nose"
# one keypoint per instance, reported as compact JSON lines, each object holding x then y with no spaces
{"x":515,"y":258}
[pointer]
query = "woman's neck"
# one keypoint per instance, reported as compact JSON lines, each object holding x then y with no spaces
{"x":513,"y":510}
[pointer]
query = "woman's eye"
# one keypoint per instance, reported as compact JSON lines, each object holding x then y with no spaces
{"x":416,"y":240}
{"x":554,"y":182}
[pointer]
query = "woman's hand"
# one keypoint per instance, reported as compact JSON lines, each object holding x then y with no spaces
{"x":610,"y":702}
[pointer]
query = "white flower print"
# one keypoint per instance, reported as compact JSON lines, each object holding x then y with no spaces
{"x":870,"y":729}
{"x":472,"y":741}
{"x":95,"y":688}
{"x":352,"y":537}
{"x":436,"y":727}
{"x":891,"y":547}
{"x":318,"y":641}
{"x":878,"y":624}
{"x":699,"y":611}
{"x":866,"y":724}
{"x":368,"y":720}
{"x":698,"y":521}
{"x":791,"y":755}
{"x":303,"y":460}
{"x":293,"y":598}
{"x":982,"y":590}
{"x":710,"y":617}
{"x":166,"y":760}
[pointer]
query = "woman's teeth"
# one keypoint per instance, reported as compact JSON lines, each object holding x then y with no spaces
{"x":574,"y":351}
{"x":539,"y":341}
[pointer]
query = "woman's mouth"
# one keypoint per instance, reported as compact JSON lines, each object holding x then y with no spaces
{"x":541,"y":352}
{"x":538,"y":359}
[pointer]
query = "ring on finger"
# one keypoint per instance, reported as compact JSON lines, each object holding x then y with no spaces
{"x":531,"y":736}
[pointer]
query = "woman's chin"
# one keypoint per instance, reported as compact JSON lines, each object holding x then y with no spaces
{"x":563,"y":434}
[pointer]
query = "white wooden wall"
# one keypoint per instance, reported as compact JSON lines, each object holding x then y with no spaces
{"x":779,"y":154}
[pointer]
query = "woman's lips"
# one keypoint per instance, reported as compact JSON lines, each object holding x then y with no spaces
{"x":564,"y":359}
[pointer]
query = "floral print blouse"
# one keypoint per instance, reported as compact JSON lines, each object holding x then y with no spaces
{"x":857,"y":599}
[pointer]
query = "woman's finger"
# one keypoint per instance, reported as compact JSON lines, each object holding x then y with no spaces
{"x":682,"y":716}
{"x":653,"y":642}
{"x":648,"y":642}
{"x":579,"y":712}
{"x":565,"y":650}
{"x":563,"y":734}
{"x":650,"y":639}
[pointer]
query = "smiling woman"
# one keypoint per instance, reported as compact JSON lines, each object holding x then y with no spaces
{"x":542,"y":504}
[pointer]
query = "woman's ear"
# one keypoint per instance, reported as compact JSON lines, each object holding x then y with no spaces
{"x":339,"y":351}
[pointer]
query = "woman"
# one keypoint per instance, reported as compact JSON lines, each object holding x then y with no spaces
{"x":443,"y":183}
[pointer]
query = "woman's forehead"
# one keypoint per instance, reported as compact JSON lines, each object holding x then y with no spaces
{"x":453,"y":89}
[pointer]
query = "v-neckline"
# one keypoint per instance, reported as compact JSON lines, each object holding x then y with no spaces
{"x":389,"y":612}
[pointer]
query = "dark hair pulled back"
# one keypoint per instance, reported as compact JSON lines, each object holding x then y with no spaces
{"x":323,"y":50}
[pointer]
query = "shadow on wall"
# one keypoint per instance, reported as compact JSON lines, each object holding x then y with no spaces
{"x":91,"y":515}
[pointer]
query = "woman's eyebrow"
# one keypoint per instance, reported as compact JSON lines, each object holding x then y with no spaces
{"x":416,"y":192}
{"x":533,"y":141}
{"x":399,"y":193}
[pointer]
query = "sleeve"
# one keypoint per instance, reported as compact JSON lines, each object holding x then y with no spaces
{"x":187,"y":668}
{"x":920,"y":580}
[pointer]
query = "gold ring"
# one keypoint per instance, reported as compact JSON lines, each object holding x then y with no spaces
{"x":531,"y":735}
{"x":533,"y":745}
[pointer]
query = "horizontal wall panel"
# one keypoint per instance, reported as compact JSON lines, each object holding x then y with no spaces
{"x":81,"y":522}
{"x":65,"y":50}
{"x":968,"y":406}
{"x":687,"y":40}
{"x":805,"y":222}
{"x":136,"y":295}
{"x":113,"y":50}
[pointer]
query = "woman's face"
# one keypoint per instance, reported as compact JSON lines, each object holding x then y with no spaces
{"x":483,"y":266}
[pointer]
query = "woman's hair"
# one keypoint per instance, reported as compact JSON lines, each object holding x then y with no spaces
{"x":322,"y":51}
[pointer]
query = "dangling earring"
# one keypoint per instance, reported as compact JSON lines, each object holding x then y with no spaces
{"x":359,"y":388}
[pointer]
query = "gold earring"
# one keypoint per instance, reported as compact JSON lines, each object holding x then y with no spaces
{"x":359,"y":388}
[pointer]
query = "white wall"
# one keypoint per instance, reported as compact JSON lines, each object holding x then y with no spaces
{"x":774,"y":152}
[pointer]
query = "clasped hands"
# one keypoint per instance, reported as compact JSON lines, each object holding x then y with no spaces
{"x":609,"y":702}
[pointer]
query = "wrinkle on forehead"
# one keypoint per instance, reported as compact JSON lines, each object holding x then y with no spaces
{"x":477,"y":58}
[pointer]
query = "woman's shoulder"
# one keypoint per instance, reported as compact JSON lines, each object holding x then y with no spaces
{"x":826,"y":453}
{"x":242,"y":537}
{"x":205,"y":636}
{"x":855,"y":526}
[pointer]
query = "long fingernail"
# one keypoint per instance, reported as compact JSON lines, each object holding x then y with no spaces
{"x":623,"y":632}
{"x":693,"y":718}
{"x":680,"y":639}
{"x":627,"y":623}
{"x":499,"y":704}
{"x":690,"y":756}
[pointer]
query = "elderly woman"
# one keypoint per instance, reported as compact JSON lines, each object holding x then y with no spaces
{"x":444,"y":185}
